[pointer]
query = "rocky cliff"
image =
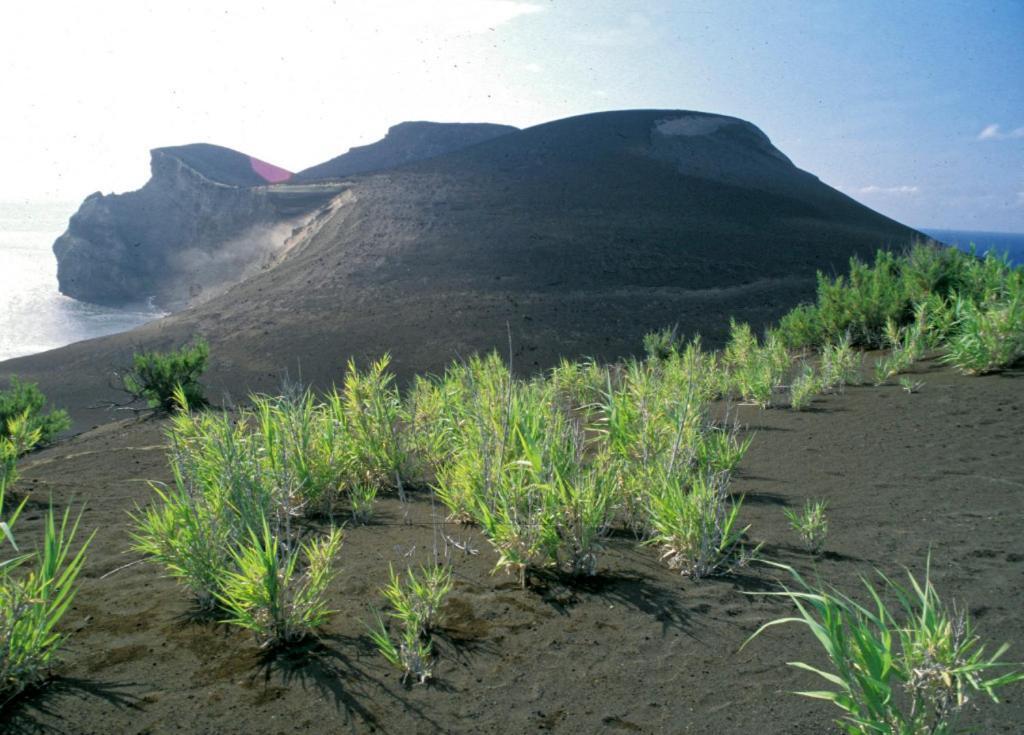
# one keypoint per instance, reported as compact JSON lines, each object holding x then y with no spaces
{"x":210,"y":216}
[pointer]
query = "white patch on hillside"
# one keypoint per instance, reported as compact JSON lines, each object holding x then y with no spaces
{"x":691,"y":125}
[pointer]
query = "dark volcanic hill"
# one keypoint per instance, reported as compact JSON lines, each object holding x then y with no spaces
{"x":578,"y":235}
{"x":404,"y":143}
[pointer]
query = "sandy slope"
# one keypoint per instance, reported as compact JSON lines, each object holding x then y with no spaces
{"x":638,"y":650}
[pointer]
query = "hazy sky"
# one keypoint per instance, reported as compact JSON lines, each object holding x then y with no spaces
{"x":914,"y":108}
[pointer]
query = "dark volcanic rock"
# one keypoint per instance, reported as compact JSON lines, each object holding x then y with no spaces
{"x":405,"y":143}
{"x":207,"y":217}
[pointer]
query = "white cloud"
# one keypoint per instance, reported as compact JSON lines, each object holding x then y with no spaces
{"x":992,"y":132}
{"x":873,"y":189}
{"x":533,"y":67}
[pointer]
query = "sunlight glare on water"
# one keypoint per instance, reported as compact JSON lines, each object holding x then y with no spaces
{"x":34,"y":316}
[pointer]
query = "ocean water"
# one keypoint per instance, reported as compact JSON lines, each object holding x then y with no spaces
{"x":1010,"y":243}
{"x":34,"y":316}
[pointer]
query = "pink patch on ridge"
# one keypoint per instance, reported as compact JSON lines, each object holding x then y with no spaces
{"x":268,"y":171}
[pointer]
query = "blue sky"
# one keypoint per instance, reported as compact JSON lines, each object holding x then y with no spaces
{"x":914,"y":108}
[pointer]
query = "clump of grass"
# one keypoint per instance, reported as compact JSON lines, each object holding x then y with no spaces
{"x":755,"y":371}
{"x":415,"y":605}
{"x":582,"y":508}
{"x":300,"y":450}
{"x":579,"y":385}
{"x":369,"y":413}
{"x":515,"y":466}
{"x":910,"y":385}
{"x":412,"y":655}
{"x":697,"y":527}
{"x":277,"y":587}
{"x":36,"y":588}
{"x":719,"y":449}
{"x":907,"y":347}
{"x":24,"y":402}
{"x":840,"y":365}
{"x":155,"y":375}
{"x":224,"y":525}
{"x":811,"y":524}
{"x":907,"y":666}
{"x":361,"y":499}
{"x":804,"y":387}
{"x":186,"y":534}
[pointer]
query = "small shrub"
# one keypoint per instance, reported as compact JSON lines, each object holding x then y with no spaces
{"x":811,"y":525}
{"x":903,"y":668}
{"x":155,"y":375}
{"x":987,"y":339}
{"x":662,"y":344}
{"x":892,"y":289}
{"x":862,"y":301}
{"x":17,"y":438}
{"x":937,"y":320}
{"x":801,"y":328}
{"x":24,"y":401}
